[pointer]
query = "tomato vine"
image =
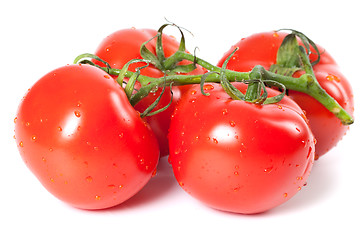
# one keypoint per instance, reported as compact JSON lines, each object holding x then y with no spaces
{"x":307,"y":83}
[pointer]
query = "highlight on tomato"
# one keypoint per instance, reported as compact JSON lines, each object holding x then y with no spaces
{"x":77,"y":132}
{"x":239,"y":156}
{"x":262,"y":49}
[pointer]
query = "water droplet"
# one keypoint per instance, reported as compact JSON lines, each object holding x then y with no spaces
{"x":50,"y":149}
{"x":33,"y":138}
{"x":268,"y":169}
{"x":224,"y":111}
{"x":107,"y":76}
{"x":77,"y":113}
{"x":304,"y":117}
{"x":237,"y":188}
{"x":275,"y":34}
{"x":89,"y":179}
{"x":215,"y":141}
{"x":121,"y":135}
{"x":97,"y":197}
{"x":208,"y":87}
{"x":309,"y":152}
{"x":96,"y":148}
{"x":285,"y":195}
{"x":27,"y":124}
{"x":154,"y":89}
{"x":192,"y":100}
{"x":181,"y":184}
{"x":15,"y":119}
{"x":21,"y":144}
{"x":331,"y":78}
{"x":279,"y":107}
{"x":60,"y":129}
{"x":193,"y":92}
{"x":232,"y":123}
{"x":52,"y":179}
{"x":236,"y":173}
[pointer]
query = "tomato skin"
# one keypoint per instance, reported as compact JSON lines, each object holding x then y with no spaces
{"x":84,"y":147}
{"x":124,"y":45}
{"x":261,"y":48}
{"x":237,"y":156}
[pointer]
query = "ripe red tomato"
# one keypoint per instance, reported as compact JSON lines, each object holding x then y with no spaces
{"x":238,"y":156}
{"x":124,"y":45}
{"x":262,"y":49}
{"x":79,"y":135}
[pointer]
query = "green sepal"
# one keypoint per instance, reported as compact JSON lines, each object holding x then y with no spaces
{"x":148,"y":55}
{"x":202,"y":82}
{"x":277,"y":98}
{"x":84,"y":59}
{"x":173,"y":67}
{"x":275,"y":68}
{"x":129,"y":88}
{"x":287,"y":59}
{"x":149,"y":110}
{"x":123,"y":71}
{"x":307,"y":43}
{"x":232,"y":91}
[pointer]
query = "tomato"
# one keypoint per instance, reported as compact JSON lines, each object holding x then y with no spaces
{"x":237,"y":156}
{"x":262,"y":49}
{"x":90,"y":150}
{"x":124,"y":45}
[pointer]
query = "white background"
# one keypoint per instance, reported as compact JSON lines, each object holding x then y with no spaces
{"x":39,"y":36}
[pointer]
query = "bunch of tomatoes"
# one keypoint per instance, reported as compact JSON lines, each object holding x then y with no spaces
{"x":90,"y":146}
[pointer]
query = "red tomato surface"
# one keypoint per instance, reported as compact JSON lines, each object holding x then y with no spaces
{"x":124,"y":45}
{"x":261,"y":49}
{"x":237,"y":156}
{"x":79,"y":135}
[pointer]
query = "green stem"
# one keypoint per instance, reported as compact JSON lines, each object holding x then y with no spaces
{"x":307,"y":83}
